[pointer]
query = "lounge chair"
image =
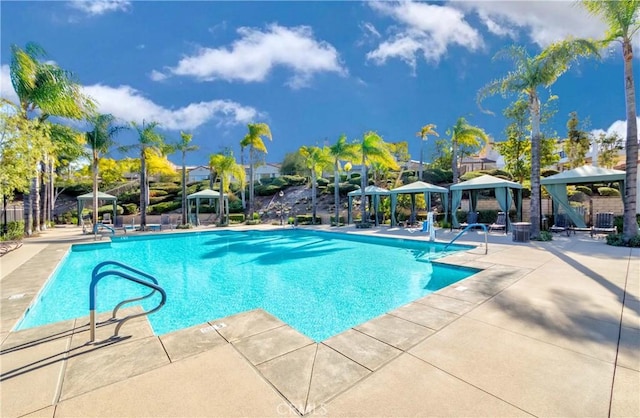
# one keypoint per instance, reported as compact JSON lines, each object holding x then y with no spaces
{"x":472,"y":218}
{"x":604,"y":224}
{"x":561,"y":224}
{"x":165,"y":222}
{"x":500,"y":223}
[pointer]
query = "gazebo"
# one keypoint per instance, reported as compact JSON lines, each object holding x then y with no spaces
{"x":556,"y":185}
{"x":88,"y":197}
{"x":373,"y":191}
{"x":206,"y":194}
{"x":484,"y":182}
{"x":413,"y":189}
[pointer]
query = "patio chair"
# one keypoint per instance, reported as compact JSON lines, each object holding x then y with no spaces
{"x":500,"y":223}
{"x":561,"y":224}
{"x":472,"y":218}
{"x":165,"y":221}
{"x":106,"y":219}
{"x":604,"y":224}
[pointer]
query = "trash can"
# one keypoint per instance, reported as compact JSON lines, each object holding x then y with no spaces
{"x":521,"y":231}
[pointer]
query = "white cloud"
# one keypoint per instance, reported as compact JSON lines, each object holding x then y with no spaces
{"x":252,"y":57}
{"x":6,"y":88}
{"x":99,"y":7}
{"x":126,"y":103}
{"x":424,"y":28}
{"x":619,"y":127}
{"x":157,"y":76}
{"x":543,"y":22}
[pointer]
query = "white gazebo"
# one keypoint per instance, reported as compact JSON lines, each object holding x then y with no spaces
{"x":374,"y":192}
{"x":88,"y":197}
{"x":206,"y":194}
{"x":413,"y":189}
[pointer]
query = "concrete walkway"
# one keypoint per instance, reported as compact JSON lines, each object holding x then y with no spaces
{"x":545,"y":329}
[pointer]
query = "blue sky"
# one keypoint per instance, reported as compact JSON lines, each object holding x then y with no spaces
{"x":311,"y":70}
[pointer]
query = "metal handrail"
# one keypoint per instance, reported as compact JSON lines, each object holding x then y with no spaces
{"x":97,"y":275}
{"x":468,"y":227}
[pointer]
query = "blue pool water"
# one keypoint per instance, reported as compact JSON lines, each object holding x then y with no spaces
{"x":318,"y":282}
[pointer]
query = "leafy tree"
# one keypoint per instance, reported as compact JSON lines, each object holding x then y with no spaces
{"x":317,"y":159}
{"x":149,"y":142}
{"x":372,"y":148}
{"x":442,"y":157}
{"x":578,"y":142}
{"x":425,"y":131}
{"x":340,"y":151}
{"x":253,"y":140}
{"x":100,"y":139}
{"x":43,"y":89}
{"x":464,"y":135}
{"x":184,"y":147}
{"x":292,"y":164}
{"x":623,"y":21}
{"x":400,"y":152}
{"x":226,"y":167}
{"x":608,"y":148}
{"x":528,"y":76}
{"x":19,"y":151}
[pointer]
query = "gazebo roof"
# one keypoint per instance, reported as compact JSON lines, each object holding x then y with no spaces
{"x":585,"y":174}
{"x":101,"y":196}
{"x":369,"y":190}
{"x":204,"y":194}
{"x":419,"y":187}
{"x":485,"y":182}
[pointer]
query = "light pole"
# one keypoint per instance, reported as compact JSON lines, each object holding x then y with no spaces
{"x":281,"y":194}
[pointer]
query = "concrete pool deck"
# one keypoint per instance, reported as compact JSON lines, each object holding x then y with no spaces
{"x":545,"y":329}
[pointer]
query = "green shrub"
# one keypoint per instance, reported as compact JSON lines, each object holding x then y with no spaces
{"x":129,"y":209}
{"x":436,"y":176}
{"x":253,"y":222}
{"x":340,"y":220}
{"x":616,"y":240}
{"x":236,"y":218}
{"x":157,"y":193}
{"x":294,"y":180}
{"x":109,"y":209}
{"x":608,"y":191}
{"x":235,"y":206}
{"x":15,"y":231}
{"x":266,"y":190}
{"x":164,"y":207}
{"x":544,"y":236}
{"x":306,"y":220}
{"x":129,"y":197}
{"x":584,"y":189}
{"x":635,"y":241}
{"x":322,"y":182}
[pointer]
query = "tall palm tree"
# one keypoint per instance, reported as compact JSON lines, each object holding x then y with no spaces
{"x":465,"y":135}
{"x":372,"y":148}
{"x":254,"y":141}
{"x":225,"y":166}
{"x":426,"y":130}
{"x":316,"y":160}
{"x":149,"y":141}
{"x":44,"y":89}
{"x":100,"y":139}
{"x":528,"y":76}
{"x":340,"y":151}
{"x":184,"y":147}
{"x":623,"y":19}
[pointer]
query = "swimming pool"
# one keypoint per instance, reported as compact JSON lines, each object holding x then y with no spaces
{"x":320,"y":283}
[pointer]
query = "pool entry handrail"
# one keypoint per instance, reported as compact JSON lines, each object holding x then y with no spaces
{"x":467,"y":228}
{"x":145,"y":280}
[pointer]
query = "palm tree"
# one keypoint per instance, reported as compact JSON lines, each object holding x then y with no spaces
{"x":100,"y":139}
{"x":340,"y":151}
{"x":44,"y":87}
{"x":225,"y":166}
{"x":184,"y":147}
{"x":372,"y":148}
{"x":465,"y":135}
{"x":254,"y":141}
{"x":530,"y":74}
{"x":316,"y":160}
{"x":426,"y":130}
{"x":623,"y":19}
{"x":149,"y":141}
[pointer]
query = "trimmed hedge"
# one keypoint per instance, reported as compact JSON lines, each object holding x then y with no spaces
{"x":236,"y":218}
{"x":608,"y":191}
{"x":306,"y":220}
{"x":266,"y":190}
{"x":164,"y":207}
